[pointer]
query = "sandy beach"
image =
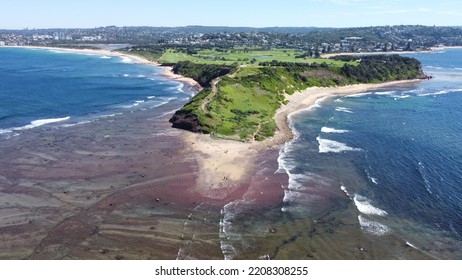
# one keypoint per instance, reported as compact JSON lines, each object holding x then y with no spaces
{"x":328,"y":55}
{"x":435,"y":49}
{"x":224,"y":163}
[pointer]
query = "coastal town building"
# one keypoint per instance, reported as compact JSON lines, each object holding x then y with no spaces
{"x":323,"y":40}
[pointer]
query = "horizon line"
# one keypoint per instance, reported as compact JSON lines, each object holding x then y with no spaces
{"x":224,"y":26}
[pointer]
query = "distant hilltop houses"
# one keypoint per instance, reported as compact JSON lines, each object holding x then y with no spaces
{"x":316,"y":40}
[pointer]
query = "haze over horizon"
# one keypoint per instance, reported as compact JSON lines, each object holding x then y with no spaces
{"x":290,"y":13}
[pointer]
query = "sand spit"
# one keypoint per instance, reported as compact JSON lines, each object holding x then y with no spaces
{"x":222,"y":163}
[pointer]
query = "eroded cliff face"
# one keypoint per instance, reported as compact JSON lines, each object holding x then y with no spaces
{"x":187,"y":121}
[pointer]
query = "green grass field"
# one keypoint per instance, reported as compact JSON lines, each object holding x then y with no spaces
{"x":241,"y":57}
{"x":241,"y":104}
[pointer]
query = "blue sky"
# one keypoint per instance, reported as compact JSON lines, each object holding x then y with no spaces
{"x":18,"y":14}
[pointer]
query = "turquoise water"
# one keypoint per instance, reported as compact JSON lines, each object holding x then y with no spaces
{"x":43,"y":87}
{"x":395,"y":152}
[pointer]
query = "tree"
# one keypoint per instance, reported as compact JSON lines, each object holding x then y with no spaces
{"x":408,"y":47}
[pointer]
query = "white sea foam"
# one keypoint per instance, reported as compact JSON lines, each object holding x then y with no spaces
{"x":414,"y":90}
{"x":180,"y":255}
{"x":373,"y":226}
{"x":48,"y":121}
{"x":282,"y":160}
{"x":168,"y":99}
{"x":56,"y":51}
{"x":444,"y":91}
{"x":151,"y":97}
{"x":374,"y":180}
{"x":291,"y":196}
{"x":126,"y":75}
{"x":331,"y":146}
{"x":441,"y":92}
{"x":33,"y":124}
{"x":344,"y":109}
{"x":344,"y":189}
{"x":127,"y":60}
{"x":11,"y":135}
{"x":228,"y":251}
{"x":397,"y":97}
{"x":424,"y":177}
{"x":169,"y":113}
{"x":411,"y":245}
{"x":138,"y":102}
{"x":365,"y":207}
{"x":333,"y":130}
{"x":177,"y":87}
{"x":105,"y":57}
{"x":296,"y":196}
{"x":5,"y":131}
{"x":317,"y":104}
{"x":38,"y":123}
{"x":359,"y":94}
{"x":295,"y":181}
{"x":226,"y":232}
{"x":180,"y":87}
{"x":75,"y":124}
{"x":385,"y":92}
{"x":160,"y":104}
{"x":111,"y":115}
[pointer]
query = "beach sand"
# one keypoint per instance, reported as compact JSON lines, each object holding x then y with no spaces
{"x":224,"y":163}
{"x":433,"y":49}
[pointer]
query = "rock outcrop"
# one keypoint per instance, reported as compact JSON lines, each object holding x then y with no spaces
{"x":187,"y":121}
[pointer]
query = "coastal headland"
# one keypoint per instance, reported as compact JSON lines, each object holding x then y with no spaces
{"x":135,"y":188}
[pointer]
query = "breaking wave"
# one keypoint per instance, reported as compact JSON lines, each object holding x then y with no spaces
{"x":331,"y":146}
{"x":333,"y":130}
{"x":373,"y":227}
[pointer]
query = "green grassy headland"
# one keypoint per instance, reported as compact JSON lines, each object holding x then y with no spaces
{"x":243,"y":88}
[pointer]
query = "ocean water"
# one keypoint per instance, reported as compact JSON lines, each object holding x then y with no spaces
{"x":48,"y":87}
{"x":394,"y":152}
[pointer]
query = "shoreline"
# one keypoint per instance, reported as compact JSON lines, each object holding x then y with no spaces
{"x":329,"y":55}
{"x":302,"y":100}
{"x":224,"y":164}
{"x":167,"y":70}
{"x":130,"y":190}
{"x":433,"y":49}
{"x":223,"y":161}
